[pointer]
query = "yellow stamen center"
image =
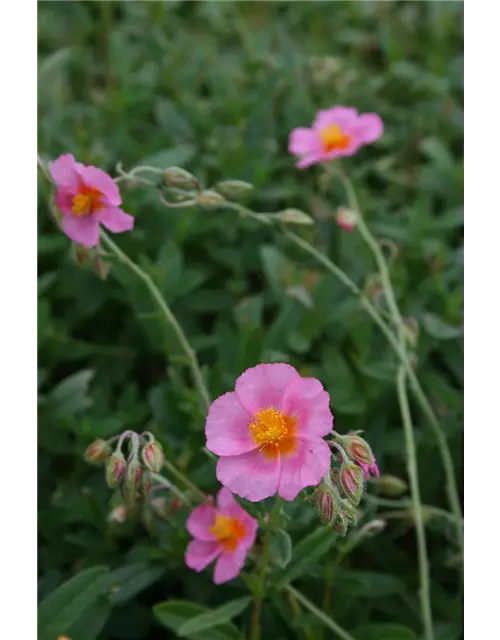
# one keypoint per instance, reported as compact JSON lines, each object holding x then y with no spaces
{"x":333,"y":138}
{"x":86,"y":201}
{"x":273,"y":432}
{"x":228,"y":531}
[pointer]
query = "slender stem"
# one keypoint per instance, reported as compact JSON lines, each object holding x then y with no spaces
{"x":262,"y":570}
{"x":168,"y":315}
{"x":397,"y":504}
{"x":326,"y":620}
{"x":186,"y":481}
{"x":411,"y":456}
{"x":451,"y":486}
{"x":163,"y":482}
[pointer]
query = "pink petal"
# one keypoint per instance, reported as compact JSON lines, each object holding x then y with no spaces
{"x":306,"y":400}
{"x":228,"y":566}
{"x":303,"y":141}
{"x":251,"y":526}
{"x":227,"y":427}
{"x":230,"y":507}
{"x":83,"y":230}
{"x":64,"y":172}
{"x":368,"y":128}
{"x":115,"y":219}
{"x":313,"y":158}
{"x":99,"y":179}
{"x":250,"y":475}
{"x":226,"y":501}
{"x":263,"y":386}
{"x":342,"y":116}
{"x":64,"y":200}
{"x":305,"y":467}
{"x":200,"y":554}
{"x":199,"y":522}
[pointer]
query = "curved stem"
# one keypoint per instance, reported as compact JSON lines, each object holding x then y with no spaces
{"x":397,"y":504}
{"x":170,"y":486}
{"x":326,"y":620}
{"x":167,"y":314}
{"x":411,"y":456}
{"x":186,"y":481}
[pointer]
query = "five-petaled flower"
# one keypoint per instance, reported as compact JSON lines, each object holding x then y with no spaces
{"x":269,"y":433}
{"x":339,"y":131}
{"x":87,"y":196}
{"x":225,"y":531}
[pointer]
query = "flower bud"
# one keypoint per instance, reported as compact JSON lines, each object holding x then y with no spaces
{"x":348,"y":512}
{"x":295,"y":216}
{"x":347,"y":219}
{"x":98,"y":452}
{"x":234,"y":189}
{"x":324,"y":504}
{"x":153,"y":456}
{"x":209,"y":199}
{"x":101,"y":267}
{"x":339,"y":525}
{"x":391,"y":486}
{"x":118,"y":514}
{"x":334,"y":476}
{"x":132,"y":483}
{"x":115,"y":469}
{"x":358,"y":449}
{"x":177,"y":177}
{"x":351,"y":481}
{"x":80,"y":253}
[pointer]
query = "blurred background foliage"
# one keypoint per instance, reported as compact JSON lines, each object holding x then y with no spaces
{"x":216,"y":87}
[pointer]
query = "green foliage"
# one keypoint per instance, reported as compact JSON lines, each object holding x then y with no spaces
{"x":215,"y":88}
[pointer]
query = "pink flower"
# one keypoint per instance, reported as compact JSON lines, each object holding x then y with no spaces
{"x":87,"y":197}
{"x":269,"y":433}
{"x":225,"y":532}
{"x":370,"y":469}
{"x":339,"y":131}
{"x":347,"y":219}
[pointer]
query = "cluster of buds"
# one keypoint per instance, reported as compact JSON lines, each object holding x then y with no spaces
{"x":131,"y":474}
{"x":337,"y":497}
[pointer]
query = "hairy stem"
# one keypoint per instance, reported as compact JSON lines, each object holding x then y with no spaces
{"x":411,"y":456}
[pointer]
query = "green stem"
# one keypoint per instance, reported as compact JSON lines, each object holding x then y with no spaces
{"x":262,"y":571}
{"x":451,"y":487}
{"x":397,"y":504}
{"x":326,"y":620}
{"x":170,"y":486}
{"x":397,"y":319}
{"x":168,"y":315}
{"x":411,"y":455}
{"x":186,"y":481}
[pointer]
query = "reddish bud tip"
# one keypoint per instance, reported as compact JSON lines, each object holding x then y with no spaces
{"x":115,"y":469}
{"x":98,"y":452}
{"x":153,"y":456}
{"x":339,"y":525}
{"x":351,"y":480}
{"x":358,"y":449}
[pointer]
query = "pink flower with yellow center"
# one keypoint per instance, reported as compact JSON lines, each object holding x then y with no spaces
{"x":336,"y":132}
{"x":87,"y":197}
{"x":269,"y":433}
{"x":224,"y":533}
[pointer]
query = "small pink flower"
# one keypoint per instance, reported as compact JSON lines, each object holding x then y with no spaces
{"x":370,"y":469}
{"x":225,"y":532}
{"x":339,"y":131}
{"x":347,"y":219}
{"x":269,"y":433}
{"x":87,"y":197}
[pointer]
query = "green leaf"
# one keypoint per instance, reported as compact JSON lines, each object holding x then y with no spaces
{"x":440,"y":329}
{"x":64,"y":606}
{"x":126,"y":582}
{"x":385,"y":631}
{"x":308,"y":551}
{"x":91,"y":623}
{"x":70,"y":396}
{"x":281,"y":548}
{"x":215,"y":617}
{"x":175,"y":613}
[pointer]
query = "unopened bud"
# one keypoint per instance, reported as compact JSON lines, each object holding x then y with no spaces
{"x":132,"y":483}
{"x":358,"y":449}
{"x":324,"y":505}
{"x":349,"y":512}
{"x":118,"y":514}
{"x":334,"y":476}
{"x":98,"y":452}
{"x":209,"y":199}
{"x":80,"y":254}
{"x":234,"y":189}
{"x":351,"y":481}
{"x":115,"y":469}
{"x":347,"y":218}
{"x":101,"y":267}
{"x":339,"y":525}
{"x":177,"y":177}
{"x":295,"y":216}
{"x":153,"y":456}
{"x":391,"y":486}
